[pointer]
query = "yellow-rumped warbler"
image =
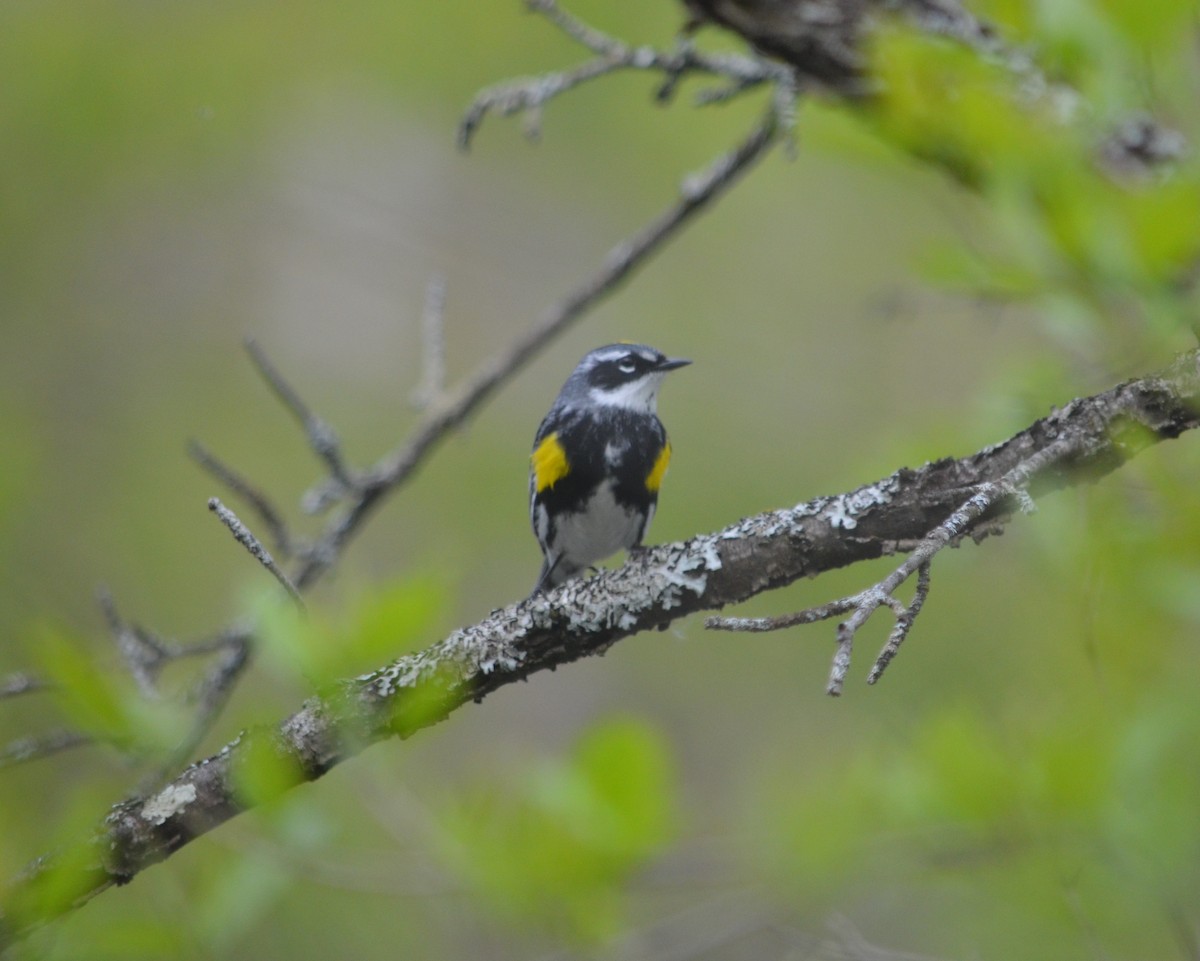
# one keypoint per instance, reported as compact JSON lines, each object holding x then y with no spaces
{"x":598,"y":460}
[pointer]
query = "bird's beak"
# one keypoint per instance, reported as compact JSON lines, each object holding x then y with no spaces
{"x":672,"y":363}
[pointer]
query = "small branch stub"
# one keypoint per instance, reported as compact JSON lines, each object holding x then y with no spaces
{"x":244,"y":537}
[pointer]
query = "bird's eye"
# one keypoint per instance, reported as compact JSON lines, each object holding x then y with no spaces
{"x":627,"y":366}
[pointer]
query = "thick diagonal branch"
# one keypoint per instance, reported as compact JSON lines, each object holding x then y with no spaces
{"x":585,"y":617}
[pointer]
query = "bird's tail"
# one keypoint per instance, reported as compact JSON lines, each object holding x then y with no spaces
{"x":553,"y":573}
{"x":543,"y":580}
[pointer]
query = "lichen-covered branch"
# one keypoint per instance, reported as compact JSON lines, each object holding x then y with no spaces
{"x":1082,"y":441}
{"x":987,"y":496}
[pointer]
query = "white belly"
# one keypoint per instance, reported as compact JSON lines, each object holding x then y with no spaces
{"x":597,"y":532}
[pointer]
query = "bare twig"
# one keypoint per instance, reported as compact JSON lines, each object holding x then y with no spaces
{"x":762,"y":625}
{"x":321,"y":437}
{"x":586,"y":35}
{"x":904,"y":623}
{"x":146,"y":655}
{"x":39,"y":746}
{"x":210,"y":696}
{"x":243,"y":536}
{"x":530,"y":95}
{"x":21,"y":682}
{"x":143,"y":653}
{"x":271,"y":518}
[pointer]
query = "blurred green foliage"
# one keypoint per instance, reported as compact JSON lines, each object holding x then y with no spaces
{"x":1060,"y":228}
{"x":927,"y":277}
{"x":560,"y":849}
{"x":104,"y":704}
{"x":325,"y":646}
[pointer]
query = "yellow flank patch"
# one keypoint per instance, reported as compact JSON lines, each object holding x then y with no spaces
{"x":549,"y":462}
{"x":654,"y":478}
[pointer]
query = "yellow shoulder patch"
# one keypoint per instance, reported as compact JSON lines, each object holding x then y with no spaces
{"x":549,"y":462}
{"x":654,"y":478}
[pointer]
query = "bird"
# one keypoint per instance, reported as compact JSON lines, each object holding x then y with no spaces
{"x":598,"y":460}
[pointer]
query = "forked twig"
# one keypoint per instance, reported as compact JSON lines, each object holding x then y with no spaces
{"x":904,"y":623}
{"x":987,"y":497}
{"x":210,"y":695}
{"x":529,"y":95}
{"x":143,"y":653}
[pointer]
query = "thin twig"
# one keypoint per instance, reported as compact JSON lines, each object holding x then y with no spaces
{"x":762,"y":625}
{"x":34,"y":747}
{"x":530,"y":95}
{"x":321,"y":436}
{"x":243,"y":536}
{"x":271,"y":518}
{"x":595,"y":40}
{"x":210,"y":695}
{"x":904,"y":624}
{"x":143,"y":652}
{"x":21,"y":682}
{"x":147,"y":654}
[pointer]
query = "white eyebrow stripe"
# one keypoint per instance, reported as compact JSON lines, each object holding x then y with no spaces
{"x":615,"y":353}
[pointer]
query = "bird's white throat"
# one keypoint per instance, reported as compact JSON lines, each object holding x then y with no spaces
{"x":640,"y":396}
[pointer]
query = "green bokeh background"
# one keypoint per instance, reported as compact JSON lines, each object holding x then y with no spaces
{"x":1024,"y":782}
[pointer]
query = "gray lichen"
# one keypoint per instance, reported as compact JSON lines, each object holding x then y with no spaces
{"x":168,"y":802}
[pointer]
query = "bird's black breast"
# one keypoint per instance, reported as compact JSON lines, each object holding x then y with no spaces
{"x":612,"y":444}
